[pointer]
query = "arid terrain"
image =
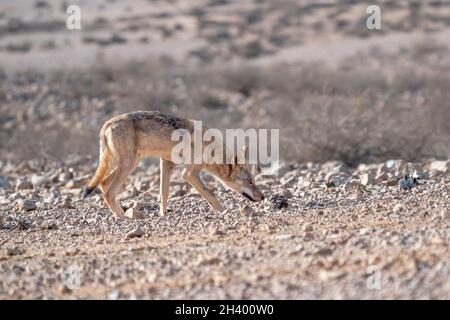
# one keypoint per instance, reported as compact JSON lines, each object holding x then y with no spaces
{"x":324,"y":231}
{"x":359,"y":208}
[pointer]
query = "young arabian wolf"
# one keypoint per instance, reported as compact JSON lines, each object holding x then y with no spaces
{"x":128,"y":138}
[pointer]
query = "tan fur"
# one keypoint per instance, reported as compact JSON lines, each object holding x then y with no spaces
{"x":128,"y":138}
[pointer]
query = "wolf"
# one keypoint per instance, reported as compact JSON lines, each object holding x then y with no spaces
{"x":128,"y":138}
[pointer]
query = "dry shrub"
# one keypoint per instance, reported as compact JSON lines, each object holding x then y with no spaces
{"x":369,"y":108}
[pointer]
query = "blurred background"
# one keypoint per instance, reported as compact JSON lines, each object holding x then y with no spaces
{"x":336,"y":89}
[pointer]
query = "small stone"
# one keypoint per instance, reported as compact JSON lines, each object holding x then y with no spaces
{"x":398,"y":208}
{"x":216,"y":232}
{"x":382,"y":176}
{"x":324,"y":252}
{"x":247,"y":211}
{"x":37,"y":180}
{"x":352,"y":183}
{"x":65,"y":289}
{"x":49,"y":225}
{"x":134,"y":213}
{"x":296,"y":250}
{"x":14,"y":251}
{"x":331,"y":275}
{"x":24,"y":184}
{"x":72,"y":252}
{"x":408,"y":182}
{"x":65,"y":176}
{"x":283,"y":237}
{"x":279,"y":202}
{"x":26,"y":205}
{"x":437,"y":240}
{"x":358,"y":195}
{"x":75,"y":184}
{"x":391,"y":182}
{"x":135,"y":233}
{"x":366,"y":179}
{"x":364,"y":231}
{"x":4,"y":184}
{"x":287,"y":194}
{"x":267,"y":228}
{"x":114,"y":295}
{"x":66,"y":204}
{"x":204,"y":261}
{"x":441,"y":166}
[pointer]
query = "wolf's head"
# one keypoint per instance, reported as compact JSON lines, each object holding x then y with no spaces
{"x":238,"y":178}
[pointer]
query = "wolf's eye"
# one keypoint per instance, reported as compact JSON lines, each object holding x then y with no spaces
{"x":250,"y":181}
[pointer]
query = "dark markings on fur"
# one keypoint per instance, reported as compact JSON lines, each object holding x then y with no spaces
{"x":165,"y":119}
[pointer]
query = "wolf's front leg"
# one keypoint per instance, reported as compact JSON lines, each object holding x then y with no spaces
{"x":192,"y":176}
{"x":165,"y":169}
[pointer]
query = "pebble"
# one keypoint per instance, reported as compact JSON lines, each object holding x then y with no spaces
{"x":398,"y":208}
{"x":26,"y":205}
{"x":366,"y":179}
{"x":441,"y":166}
{"x":279,"y":202}
{"x":24,"y":184}
{"x":408,"y":182}
{"x":283,"y":237}
{"x":4,"y":184}
{"x":135,"y":233}
{"x":134,"y":213}
{"x":66,"y":204}
{"x":247,"y":211}
{"x":324,"y":252}
{"x":38,"y":180}
{"x":114,"y":295}
{"x":331,"y":275}
{"x":14,"y":251}
{"x":287,"y":194}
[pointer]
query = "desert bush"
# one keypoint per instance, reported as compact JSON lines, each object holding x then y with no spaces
{"x":368,"y":108}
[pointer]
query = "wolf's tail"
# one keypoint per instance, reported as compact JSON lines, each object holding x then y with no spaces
{"x":102,"y":169}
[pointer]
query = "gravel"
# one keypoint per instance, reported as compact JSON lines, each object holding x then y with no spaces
{"x":307,"y":239}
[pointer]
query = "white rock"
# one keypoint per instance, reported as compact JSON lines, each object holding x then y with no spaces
{"x":331,"y":275}
{"x":366,"y":179}
{"x":133,"y":213}
{"x":37,"y":180}
{"x":441,"y":166}
{"x":398,"y":207}
{"x":283,"y":237}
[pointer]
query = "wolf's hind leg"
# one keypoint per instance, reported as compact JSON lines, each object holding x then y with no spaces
{"x":123,"y":170}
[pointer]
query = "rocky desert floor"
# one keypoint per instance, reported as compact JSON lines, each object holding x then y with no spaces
{"x":353,"y":228}
{"x":323,"y":231}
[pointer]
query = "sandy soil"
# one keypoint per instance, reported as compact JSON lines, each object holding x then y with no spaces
{"x":360,"y":237}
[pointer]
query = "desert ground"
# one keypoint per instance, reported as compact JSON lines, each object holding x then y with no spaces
{"x":359,"y":205}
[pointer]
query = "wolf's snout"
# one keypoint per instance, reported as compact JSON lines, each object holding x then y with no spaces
{"x":253,"y":197}
{"x":248,"y":197}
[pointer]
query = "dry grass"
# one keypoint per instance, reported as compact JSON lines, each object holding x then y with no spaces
{"x":370,"y":108}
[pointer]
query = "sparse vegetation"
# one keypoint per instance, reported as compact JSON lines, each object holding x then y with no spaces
{"x":371,"y":108}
